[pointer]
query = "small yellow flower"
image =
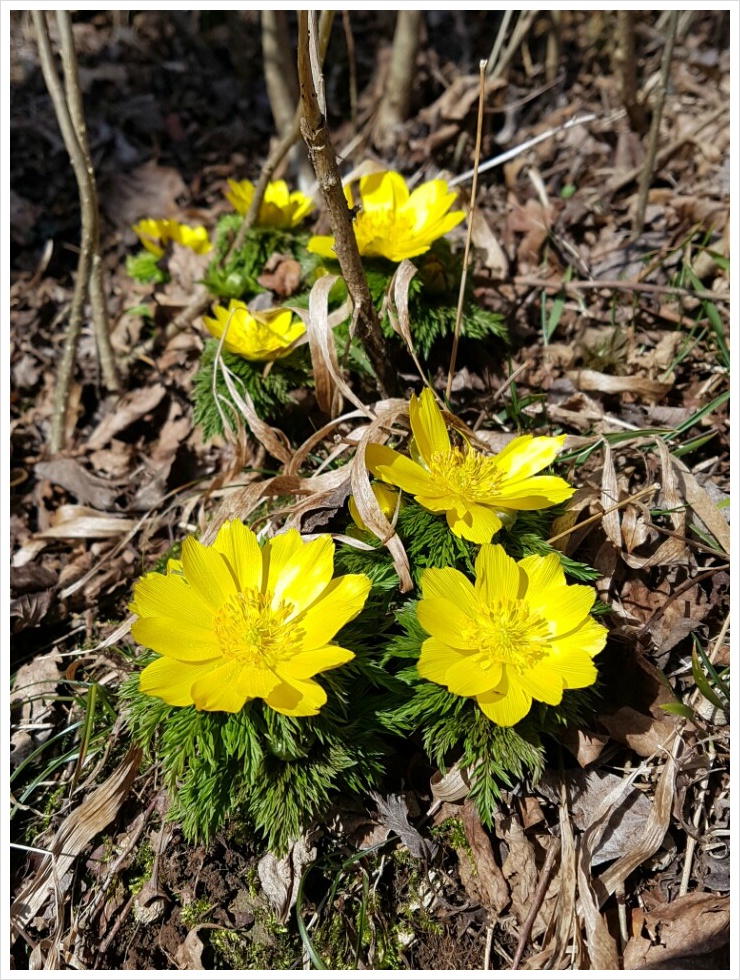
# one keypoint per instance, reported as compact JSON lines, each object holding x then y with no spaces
{"x":263,"y":336}
{"x":519,"y":634}
{"x":280,"y":207}
{"x":387,"y":501}
{"x":393,"y":223}
{"x":476,"y":492}
{"x":155,"y":235}
{"x":234,"y":622}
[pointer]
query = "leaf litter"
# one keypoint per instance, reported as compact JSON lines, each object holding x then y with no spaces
{"x":78,"y":542}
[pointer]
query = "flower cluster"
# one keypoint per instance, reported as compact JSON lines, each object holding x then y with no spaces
{"x":263,"y":336}
{"x":392,"y":222}
{"x":155,"y":236}
{"x":280,"y":207}
{"x":236,"y":621}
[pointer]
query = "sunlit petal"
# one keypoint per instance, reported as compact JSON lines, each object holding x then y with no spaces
{"x":428,"y":426}
{"x":173,"y":682}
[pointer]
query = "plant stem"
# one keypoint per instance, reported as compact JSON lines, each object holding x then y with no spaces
{"x":323,"y":157}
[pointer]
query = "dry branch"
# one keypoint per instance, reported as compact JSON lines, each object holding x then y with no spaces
{"x":396,"y":100}
{"x":323,"y":157}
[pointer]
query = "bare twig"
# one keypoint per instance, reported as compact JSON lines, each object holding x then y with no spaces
{"x":526,"y":18}
{"x":539,"y":896}
{"x":68,"y":106}
{"x":469,"y":236}
{"x":396,"y":100}
{"x":649,"y":165}
{"x":625,"y":64}
{"x":349,"y":39}
{"x":322,"y":154}
{"x":624,"y":285}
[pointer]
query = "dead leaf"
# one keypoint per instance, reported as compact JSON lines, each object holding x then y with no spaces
{"x":73,"y":521}
{"x":85,"y":486}
{"x":130,"y":408}
{"x":188,"y":955}
{"x":73,"y":836}
{"x":609,"y":384}
{"x":280,"y":877}
{"x":702,"y":505}
{"x":492,"y":254}
{"x":282,"y":274}
{"x":35,"y":690}
{"x":693,"y":925}
{"x":150,"y":191}
{"x":519,"y":869}
{"x":393,"y":811}
{"x":487,"y":883}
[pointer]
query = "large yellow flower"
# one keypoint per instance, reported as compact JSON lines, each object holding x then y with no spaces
{"x":474,"y":491}
{"x":154,"y":236}
{"x":263,"y":336}
{"x":520,"y":633}
{"x":280,"y":207}
{"x":393,"y":223}
{"x":234,"y":622}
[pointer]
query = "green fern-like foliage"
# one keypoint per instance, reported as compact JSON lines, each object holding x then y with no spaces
{"x":269,"y":390}
{"x":144,"y":267}
{"x":235,"y":277}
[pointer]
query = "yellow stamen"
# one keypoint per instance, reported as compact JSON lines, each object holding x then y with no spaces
{"x":254,"y":632}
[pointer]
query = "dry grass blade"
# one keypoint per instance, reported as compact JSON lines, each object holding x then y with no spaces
{"x":367,"y":506}
{"x":275,"y":442}
{"x":327,"y":380}
{"x":74,"y":835}
{"x":703,"y":507}
{"x":610,"y":497}
{"x":672,"y":551}
{"x":398,"y":311}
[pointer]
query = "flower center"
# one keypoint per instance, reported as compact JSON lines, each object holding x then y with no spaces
{"x":466,"y":472}
{"x":510,"y":633}
{"x":377,"y":229}
{"x":249,"y":629}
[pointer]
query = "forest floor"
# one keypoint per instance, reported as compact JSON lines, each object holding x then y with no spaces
{"x":619,"y":341}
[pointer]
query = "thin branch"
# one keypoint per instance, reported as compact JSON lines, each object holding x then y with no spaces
{"x":625,"y":63}
{"x":649,"y":165}
{"x":321,"y":151}
{"x":469,"y":236}
{"x":394,"y":105}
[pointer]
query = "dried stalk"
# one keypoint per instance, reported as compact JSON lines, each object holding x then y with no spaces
{"x":67,"y":102}
{"x":469,"y":236}
{"x":323,"y":157}
{"x":625,"y":64}
{"x":395,"y":103}
{"x":282,"y":87}
{"x":647,"y":172}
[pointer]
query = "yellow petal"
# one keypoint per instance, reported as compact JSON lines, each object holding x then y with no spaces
{"x":430,"y":202}
{"x":304,"y":665}
{"x":543,"y":573}
{"x":497,"y":575}
{"x":474,"y":522}
{"x":565,"y":607}
{"x":449,"y":583}
{"x":589,"y":638}
{"x":298,"y":572}
{"x":172,"y":682}
{"x":436,"y":659}
{"x":340,"y":602}
{"x":527,"y":455}
{"x":506,"y":706}
{"x":574,"y":665}
{"x":224,"y":688}
{"x":469,"y":678}
{"x":208,"y":574}
{"x":297,"y":698}
{"x":383,"y":191}
{"x":322,"y":245}
{"x":445,"y":620}
{"x":240,"y":548}
{"x":535,"y":492}
{"x":170,"y":595}
{"x":176,"y":638}
{"x":544,"y":682}
{"x":428,"y":426}
{"x":388,"y":465}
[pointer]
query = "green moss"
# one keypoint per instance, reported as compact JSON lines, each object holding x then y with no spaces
{"x":195,"y":912}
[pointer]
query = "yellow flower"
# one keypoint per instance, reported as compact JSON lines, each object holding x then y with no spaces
{"x":387,"y":501}
{"x":155,"y":235}
{"x":520,"y":633}
{"x":393,"y":223}
{"x":263,"y":336}
{"x":280,"y":207}
{"x":234,"y":622}
{"x":476,"y":492}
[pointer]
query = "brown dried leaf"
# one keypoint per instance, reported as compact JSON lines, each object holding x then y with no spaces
{"x":489,"y":883}
{"x":133,"y":406}
{"x":693,"y":925}
{"x":609,"y":384}
{"x":73,"y":477}
{"x":188,"y":955}
{"x":74,"y":835}
{"x":280,"y":877}
{"x":610,"y":497}
{"x":73,"y":521}
{"x":393,"y":811}
{"x":282,"y":274}
{"x":493,"y":255}
{"x":701,"y":504}
{"x":150,"y":191}
{"x":519,"y":869}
